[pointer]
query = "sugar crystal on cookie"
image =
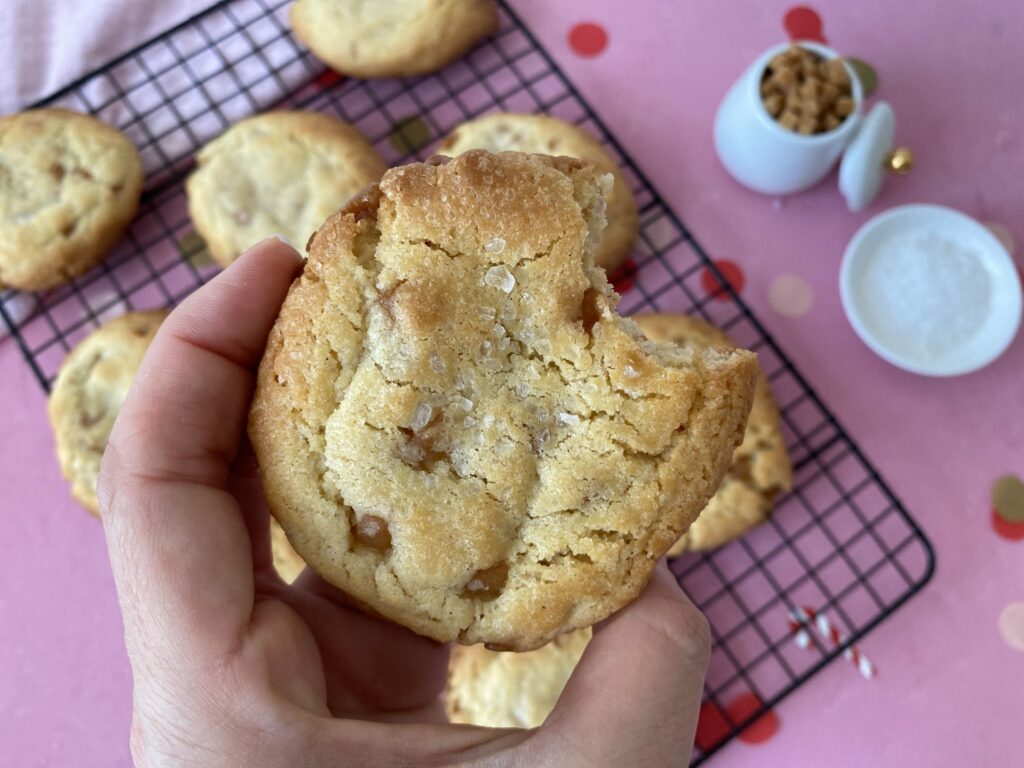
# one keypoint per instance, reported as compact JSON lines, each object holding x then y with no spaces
{"x":499,"y":277}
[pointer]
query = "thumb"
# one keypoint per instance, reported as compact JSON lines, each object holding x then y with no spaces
{"x":635,"y":696}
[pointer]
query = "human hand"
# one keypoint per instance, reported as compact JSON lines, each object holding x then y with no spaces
{"x":233,"y":667}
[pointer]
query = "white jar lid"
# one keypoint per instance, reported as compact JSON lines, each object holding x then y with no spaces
{"x":863,"y":167}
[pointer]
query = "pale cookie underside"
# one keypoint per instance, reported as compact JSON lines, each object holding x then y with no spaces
{"x":69,"y":185}
{"x":454,"y":427}
{"x":500,"y":689}
{"x":279,"y":173}
{"x":760,"y":470}
{"x":88,"y":392}
{"x":286,"y":560}
{"x":391,"y":38}
{"x":540,"y":134}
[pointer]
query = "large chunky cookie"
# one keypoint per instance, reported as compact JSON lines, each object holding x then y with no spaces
{"x":391,"y":38}
{"x":279,"y":173}
{"x":550,"y":136}
{"x":500,"y":689}
{"x":87,"y":396}
{"x":69,"y":185}
{"x":760,"y":468}
{"x":455,"y":427}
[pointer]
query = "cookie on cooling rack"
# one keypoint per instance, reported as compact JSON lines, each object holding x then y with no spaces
{"x":500,"y":689}
{"x":545,"y":135}
{"x":760,"y":468}
{"x":466,"y":445}
{"x":279,"y":173}
{"x":69,"y":186}
{"x":392,"y":38}
{"x":87,"y":395}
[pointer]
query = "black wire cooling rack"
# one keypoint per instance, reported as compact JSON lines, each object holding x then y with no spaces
{"x":840,"y":545}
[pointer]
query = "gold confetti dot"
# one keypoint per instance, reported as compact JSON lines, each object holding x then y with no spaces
{"x":1011,"y":626}
{"x":410,"y":134}
{"x":1008,"y":498}
{"x":193,"y":249}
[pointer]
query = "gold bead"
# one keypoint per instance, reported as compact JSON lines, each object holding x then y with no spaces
{"x":900,"y":161}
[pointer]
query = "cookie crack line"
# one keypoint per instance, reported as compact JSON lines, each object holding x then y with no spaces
{"x":433,"y":246}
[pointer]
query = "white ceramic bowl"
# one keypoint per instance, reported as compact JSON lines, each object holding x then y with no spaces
{"x":913,"y":318}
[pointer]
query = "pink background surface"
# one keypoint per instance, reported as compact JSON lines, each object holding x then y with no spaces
{"x":949,"y":686}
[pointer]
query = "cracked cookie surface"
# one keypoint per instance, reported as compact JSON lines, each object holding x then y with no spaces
{"x":88,"y":393}
{"x":69,"y":185}
{"x":760,"y":468}
{"x":391,"y":38}
{"x":540,"y":134}
{"x":501,"y":689}
{"x":279,"y":173}
{"x":455,"y":427}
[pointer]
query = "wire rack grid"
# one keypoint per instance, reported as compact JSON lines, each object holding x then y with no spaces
{"x":840,"y":543}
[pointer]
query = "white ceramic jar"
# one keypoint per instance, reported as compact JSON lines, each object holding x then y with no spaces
{"x":763,"y":155}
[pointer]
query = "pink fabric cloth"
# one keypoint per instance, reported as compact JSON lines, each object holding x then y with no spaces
{"x":45,"y":44}
{"x":948,"y":686}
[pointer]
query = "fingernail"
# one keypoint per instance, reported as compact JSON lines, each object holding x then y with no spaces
{"x":280,"y":238}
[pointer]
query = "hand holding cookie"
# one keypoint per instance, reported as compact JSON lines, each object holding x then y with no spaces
{"x":278,"y":674}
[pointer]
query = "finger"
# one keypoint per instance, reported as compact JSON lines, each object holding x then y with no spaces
{"x":370,"y":664}
{"x":635,"y":696}
{"x":178,"y":543}
{"x":422,"y":745}
{"x":246,"y":486}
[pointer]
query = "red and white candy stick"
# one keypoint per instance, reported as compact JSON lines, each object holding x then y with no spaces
{"x":803,"y":618}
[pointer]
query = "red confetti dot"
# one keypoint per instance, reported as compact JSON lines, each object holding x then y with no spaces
{"x":622,"y":278}
{"x":1006,"y":529}
{"x":762,"y":729}
{"x":712,"y":728}
{"x":588,"y":39}
{"x":733,"y":276}
{"x":803,"y":23}
{"x":327,"y":78}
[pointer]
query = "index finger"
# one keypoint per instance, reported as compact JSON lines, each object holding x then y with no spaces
{"x":177,"y":539}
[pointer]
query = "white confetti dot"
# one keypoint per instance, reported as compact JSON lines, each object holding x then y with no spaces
{"x":791,"y":296}
{"x":1011,"y":626}
{"x":18,"y":306}
{"x":569,"y":419}
{"x":495,"y":245}
{"x":436,"y":363}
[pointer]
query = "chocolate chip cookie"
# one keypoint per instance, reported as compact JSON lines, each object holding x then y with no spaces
{"x":69,"y":186}
{"x":455,"y":427}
